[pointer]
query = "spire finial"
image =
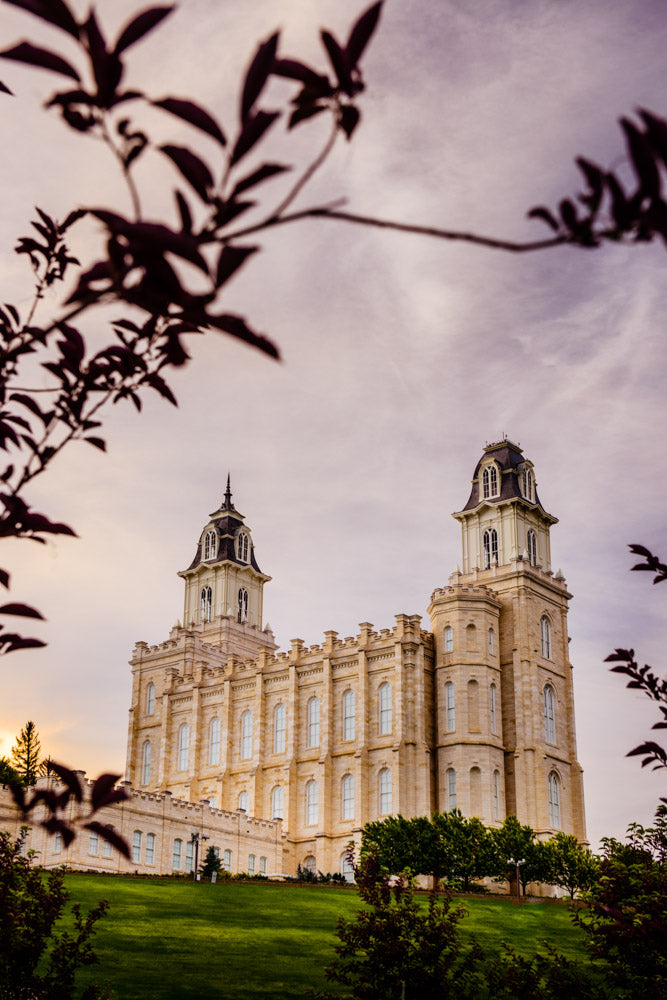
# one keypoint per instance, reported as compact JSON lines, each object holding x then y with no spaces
{"x":227,"y":502}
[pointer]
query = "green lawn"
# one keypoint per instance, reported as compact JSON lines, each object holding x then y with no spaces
{"x":171,"y":940}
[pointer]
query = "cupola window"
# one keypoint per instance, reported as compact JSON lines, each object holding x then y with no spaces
{"x":242,"y":547}
{"x":545,"y":634}
{"x":490,"y":482}
{"x":209,"y":545}
{"x":243,"y":605}
{"x":206,"y":604}
{"x":490,"y":540}
{"x":532,"y":547}
{"x":528,"y":484}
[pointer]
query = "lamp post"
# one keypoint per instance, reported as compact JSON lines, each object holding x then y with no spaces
{"x":518,"y":864}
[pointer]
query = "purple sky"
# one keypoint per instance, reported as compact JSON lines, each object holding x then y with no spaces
{"x":402,"y":358}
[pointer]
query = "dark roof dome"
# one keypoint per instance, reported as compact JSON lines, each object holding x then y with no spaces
{"x":511,"y":467}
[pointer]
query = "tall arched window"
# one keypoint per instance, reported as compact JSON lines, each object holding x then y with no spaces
{"x":348,"y":714}
{"x":490,"y":540}
{"x":244,"y":801}
{"x":531,"y":538}
{"x":277,"y":803}
{"x":150,"y":699}
{"x":451,"y":788}
{"x":312,"y":803}
{"x":384,"y":788}
{"x":279,"y":728}
{"x":214,"y":742}
{"x":146,"y":763}
{"x":150,"y":849}
{"x":189,"y":855}
{"x":310,"y":864}
{"x":183,"y":747}
{"x":493,"y":715}
{"x":206,"y":604}
{"x":496,"y":794}
{"x":136,"y":847}
{"x":347,"y":867}
{"x":262,"y":866}
{"x":384,"y":698}
{"x":242,"y":604}
{"x":554,"y":800}
{"x":227,"y":860}
{"x":450,"y":704}
{"x":549,"y":714}
{"x":251,"y":864}
{"x":492,"y":642}
{"x":313,"y":722}
{"x":246,"y":735}
{"x":347,"y":797}
{"x":449,"y":639}
{"x":209,"y":545}
{"x":473,"y":706}
{"x":528,"y":484}
{"x":490,"y":481}
{"x":176,"y":856}
{"x":242,"y":546}
{"x":545,"y":633}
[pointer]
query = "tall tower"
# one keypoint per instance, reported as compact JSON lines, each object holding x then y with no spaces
{"x":505,"y":710}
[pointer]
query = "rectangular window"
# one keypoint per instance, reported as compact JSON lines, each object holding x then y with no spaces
{"x":262,"y":866}
{"x":279,"y":729}
{"x":189,"y":856}
{"x":93,"y":843}
{"x":451,"y":788}
{"x":251,"y":864}
{"x":176,"y":857}
{"x":136,"y":847}
{"x":451,"y":707}
{"x":227,"y":860}
{"x":107,"y":849}
{"x":150,"y":848}
{"x":492,"y":708}
{"x":57,"y":843}
{"x":348,"y":715}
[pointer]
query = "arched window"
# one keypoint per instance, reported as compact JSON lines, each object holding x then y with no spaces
{"x":492,"y":642}
{"x":150,"y":699}
{"x":451,"y":788}
{"x":493,"y":717}
{"x":471,"y":637}
{"x":136,"y":847}
{"x":384,"y":789}
{"x":549,"y":714}
{"x":279,"y":728}
{"x":93,"y":842}
{"x":475,"y":791}
{"x":473,"y":706}
{"x":347,"y":797}
{"x":251,"y":864}
{"x":528,"y":484}
{"x":490,"y":540}
{"x":384,"y":698}
{"x":214,"y":742}
{"x":312,"y":803}
{"x":496,"y":794}
{"x":313,"y":722}
{"x":57,"y":843}
{"x":227,"y":860}
{"x":150,"y":849}
{"x":531,"y":538}
{"x":183,"y":747}
{"x":450,"y":704}
{"x":449,"y":639}
{"x":545,"y":633}
{"x":490,"y":481}
{"x":146,"y":763}
{"x":206,"y":604}
{"x":348,"y":714}
{"x":176,"y":856}
{"x":554,"y":800}
{"x":209,"y":545}
{"x":262,"y":866}
{"x":277,"y":803}
{"x":246,"y":735}
{"x":189,"y":855}
{"x":347,"y":867}
{"x":244,"y":801}
{"x":242,"y":546}
{"x":310,"y":864}
{"x":243,"y":604}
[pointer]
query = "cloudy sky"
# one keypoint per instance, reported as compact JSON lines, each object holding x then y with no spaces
{"x":402,"y":357}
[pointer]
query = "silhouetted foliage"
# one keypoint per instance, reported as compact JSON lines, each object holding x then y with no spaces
{"x":26,"y":754}
{"x":37,"y":961}
{"x":211,"y":863}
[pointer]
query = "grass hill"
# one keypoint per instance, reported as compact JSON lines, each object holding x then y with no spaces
{"x":177,"y":940}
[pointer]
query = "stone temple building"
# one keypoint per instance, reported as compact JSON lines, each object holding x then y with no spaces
{"x":476,"y":710}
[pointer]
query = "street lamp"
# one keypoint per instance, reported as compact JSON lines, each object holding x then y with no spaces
{"x":518,"y":864}
{"x":194,"y":839}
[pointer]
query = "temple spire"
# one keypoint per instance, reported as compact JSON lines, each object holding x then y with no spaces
{"x":227,"y":502}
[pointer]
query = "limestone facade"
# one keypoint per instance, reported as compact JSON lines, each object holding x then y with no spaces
{"x":475,"y":712}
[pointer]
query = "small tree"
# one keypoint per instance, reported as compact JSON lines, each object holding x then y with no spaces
{"x":211,"y":863}
{"x":37,"y":962}
{"x":572,"y":866}
{"x":8,"y":774}
{"x":465,"y":847}
{"x":26,"y":754}
{"x":514,"y":842}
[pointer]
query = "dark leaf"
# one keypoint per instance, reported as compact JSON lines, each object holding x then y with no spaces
{"x":97,"y":443}
{"x":568,"y":214}
{"x":153,"y":236}
{"x":107,"y":67}
{"x":184,"y":212}
{"x":195,"y":171}
{"x":4,"y":578}
{"x":193,"y":114}
{"x":26,"y":52}
{"x":642,"y":157}
{"x":263,"y":173}
{"x":54,"y":11}
{"x":349,"y":119}
{"x":640,"y":550}
{"x":57,"y":825}
{"x":543,"y":213}
{"x":69,"y":778}
{"x":361,"y":33}
{"x":14,"y":642}
{"x":73,"y":217}
{"x":140,"y":26}
{"x":293,"y":70}
{"x":111,"y":836}
{"x":621,"y":208}
{"x":237,"y":327}
{"x":4,"y":89}
{"x":338,"y":59}
{"x":229,"y":210}
{"x":656,"y":133}
{"x":257,"y":75}
{"x":28,"y":402}
{"x":253,"y":129}
{"x":158,"y":383}
{"x":302,"y":113}
{"x":102,"y":787}
{"x":22,"y":610}
{"x":230,"y":260}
